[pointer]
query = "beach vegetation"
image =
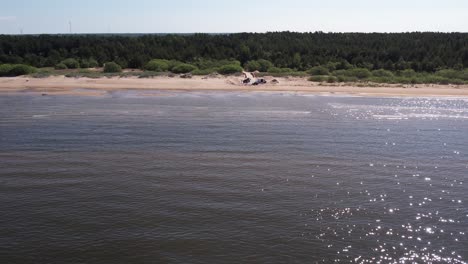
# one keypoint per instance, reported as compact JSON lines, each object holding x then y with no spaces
{"x":43,"y":73}
{"x":183,"y":68}
{"x":11,"y":70}
{"x":318,"y":78}
{"x":148,"y":74}
{"x":89,"y":63}
{"x":318,"y":70}
{"x":157,"y":65}
{"x":61,"y":66}
{"x":408,"y":73}
{"x":112,"y":67}
{"x":261,"y":65}
{"x":332,"y":79}
{"x":71,"y":63}
{"x":382,"y":73}
{"x":205,"y":64}
{"x":274,"y":70}
{"x":230,"y":69}
{"x":5,"y":69}
{"x":205,"y":71}
{"x":359,"y":73}
{"x":331,"y":66}
{"x":84,"y":64}
{"x":453,"y":74}
{"x":265,"y":65}
{"x":93,"y":63}
{"x":252,"y":66}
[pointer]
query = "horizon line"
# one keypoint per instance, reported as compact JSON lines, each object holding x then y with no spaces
{"x":232,"y":33}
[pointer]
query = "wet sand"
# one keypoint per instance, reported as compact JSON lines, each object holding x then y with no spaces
{"x":88,"y":86}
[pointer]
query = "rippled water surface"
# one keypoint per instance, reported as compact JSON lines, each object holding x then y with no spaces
{"x":139,"y":177}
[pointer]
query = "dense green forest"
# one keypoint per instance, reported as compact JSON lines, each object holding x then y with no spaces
{"x":277,"y":52}
{"x":301,"y":51}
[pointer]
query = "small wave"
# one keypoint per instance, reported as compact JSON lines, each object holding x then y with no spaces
{"x":390,"y":117}
{"x":419,"y":116}
{"x":40,"y":116}
{"x":266,"y":113}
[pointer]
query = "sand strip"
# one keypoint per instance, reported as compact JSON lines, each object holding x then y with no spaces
{"x":63,"y":85}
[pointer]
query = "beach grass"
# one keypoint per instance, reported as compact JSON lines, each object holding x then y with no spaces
{"x":315,"y":74}
{"x":359,"y":75}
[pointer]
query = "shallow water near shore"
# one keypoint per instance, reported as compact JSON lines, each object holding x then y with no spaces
{"x":220,"y":177}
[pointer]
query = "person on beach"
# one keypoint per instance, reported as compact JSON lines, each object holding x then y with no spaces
{"x":254,"y":74}
{"x":247,"y":79}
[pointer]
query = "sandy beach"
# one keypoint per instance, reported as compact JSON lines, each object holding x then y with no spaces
{"x":88,"y":86}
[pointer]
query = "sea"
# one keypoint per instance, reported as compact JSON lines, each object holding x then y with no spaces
{"x":138,"y":176}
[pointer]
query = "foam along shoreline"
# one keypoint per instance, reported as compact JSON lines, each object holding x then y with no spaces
{"x":64,"y":85}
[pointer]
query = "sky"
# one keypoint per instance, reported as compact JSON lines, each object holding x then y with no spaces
{"x":218,"y":16}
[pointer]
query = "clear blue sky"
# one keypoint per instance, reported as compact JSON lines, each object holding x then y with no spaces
{"x":157,"y":16}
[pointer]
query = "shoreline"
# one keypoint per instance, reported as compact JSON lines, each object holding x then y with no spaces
{"x":61,"y":85}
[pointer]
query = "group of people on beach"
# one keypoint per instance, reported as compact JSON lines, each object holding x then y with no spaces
{"x":250,"y":76}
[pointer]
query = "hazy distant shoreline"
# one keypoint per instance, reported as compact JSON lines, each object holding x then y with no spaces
{"x":57,"y":85}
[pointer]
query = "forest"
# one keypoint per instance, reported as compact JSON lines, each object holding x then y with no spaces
{"x":275,"y":52}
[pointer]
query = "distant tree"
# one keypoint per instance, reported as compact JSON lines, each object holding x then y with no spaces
{"x":331,"y":66}
{"x":464,"y":57}
{"x":245,"y":53}
{"x":122,"y":62}
{"x":33,"y":59}
{"x":343,"y":65}
{"x":402,"y":65}
{"x":136,"y":62}
{"x":428,"y":65}
{"x":296,"y":61}
{"x":389,"y":65}
{"x":458,"y":66}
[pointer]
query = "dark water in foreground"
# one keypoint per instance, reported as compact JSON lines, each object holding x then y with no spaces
{"x":232,"y":178}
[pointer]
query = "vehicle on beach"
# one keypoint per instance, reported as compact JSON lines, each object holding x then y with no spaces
{"x":249,"y":76}
{"x":259,"y":81}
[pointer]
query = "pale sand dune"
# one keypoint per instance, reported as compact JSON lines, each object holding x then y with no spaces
{"x":63,"y":85}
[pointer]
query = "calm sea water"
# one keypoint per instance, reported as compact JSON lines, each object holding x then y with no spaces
{"x":156,"y":177}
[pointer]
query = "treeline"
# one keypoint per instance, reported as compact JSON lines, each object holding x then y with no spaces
{"x":275,"y":52}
